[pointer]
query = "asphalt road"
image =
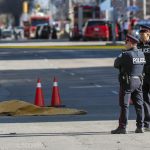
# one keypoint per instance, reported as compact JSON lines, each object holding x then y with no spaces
{"x":87,"y":80}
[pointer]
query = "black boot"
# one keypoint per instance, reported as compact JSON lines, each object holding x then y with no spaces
{"x":139,"y":130}
{"x":119,"y":130}
{"x":147,"y":129}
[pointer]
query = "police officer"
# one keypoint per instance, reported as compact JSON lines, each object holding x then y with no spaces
{"x":146,"y":28}
{"x":144,"y":45}
{"x":130,"y":64}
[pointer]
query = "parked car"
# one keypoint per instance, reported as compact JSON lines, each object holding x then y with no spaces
{"x":6,"y":33}
{"x":136,"y":27}
{"x":98,"y":29}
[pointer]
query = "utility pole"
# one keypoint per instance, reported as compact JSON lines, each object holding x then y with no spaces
{"x":97,"y":2}
{"x":113,"y":29}
{"x":51,"y":10}
{"x":114,"y":26}
{"x":128,"y":12}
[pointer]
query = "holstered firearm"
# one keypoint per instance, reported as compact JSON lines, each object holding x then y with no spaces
{"x":126,"y":78}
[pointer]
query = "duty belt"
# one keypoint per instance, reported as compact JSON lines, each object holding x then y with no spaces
{"x":134,"y":77}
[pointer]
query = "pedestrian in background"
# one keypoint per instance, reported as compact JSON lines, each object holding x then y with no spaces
{"x":130,"y":64}
{"x":125,"y":28}
{"x":54,"y":32}
{"x":144,"y":45}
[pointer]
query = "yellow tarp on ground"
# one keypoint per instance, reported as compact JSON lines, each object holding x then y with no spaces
{"x":22,"y":108}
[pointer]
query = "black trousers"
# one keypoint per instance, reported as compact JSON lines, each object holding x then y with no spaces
{"x":146,"y":96}
{"x":131,"y":91}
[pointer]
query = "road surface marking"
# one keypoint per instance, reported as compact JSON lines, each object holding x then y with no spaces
{"x":55,"y":63}
{"x":72,"y":73}
{"x":81,"y":78}
{"x":86,"y":86}
{"x":115,"y":92}
{"x":99,"y":86}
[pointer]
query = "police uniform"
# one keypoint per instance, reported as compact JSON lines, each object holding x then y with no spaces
{"x":145,"y":47}
{"x":130,"y":64}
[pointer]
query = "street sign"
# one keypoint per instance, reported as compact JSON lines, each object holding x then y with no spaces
{"x":133,"y":8}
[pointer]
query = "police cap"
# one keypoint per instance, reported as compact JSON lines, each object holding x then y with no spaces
{"x":144,"y":28}
{"x":132,"y":39}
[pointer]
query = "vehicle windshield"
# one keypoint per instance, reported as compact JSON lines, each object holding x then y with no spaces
{"x":36,"y":22}
{"x":96,"y":23}
{"x":88,"y":12}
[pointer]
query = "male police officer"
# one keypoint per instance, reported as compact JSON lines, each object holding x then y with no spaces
{"x":130,"y":64}
{"x":144,"y":45}
{"x":146,"y":28}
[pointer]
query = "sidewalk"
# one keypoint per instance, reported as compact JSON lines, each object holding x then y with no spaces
{"x":62,"y":44}
{"x":80,"y":135}
{"x":58,"y":43}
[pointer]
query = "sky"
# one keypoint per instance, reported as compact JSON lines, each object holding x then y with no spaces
{"x":106,"y":5}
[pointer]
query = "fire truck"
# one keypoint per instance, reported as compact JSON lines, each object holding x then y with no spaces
{"x":78,"y":15}
{"x":30,"y":27}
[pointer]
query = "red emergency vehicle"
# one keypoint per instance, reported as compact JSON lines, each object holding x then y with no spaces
{"x":33,"y":23}
{"x":78,"y":15}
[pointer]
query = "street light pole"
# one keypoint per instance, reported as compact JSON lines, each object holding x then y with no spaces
{"x":144,"y":9}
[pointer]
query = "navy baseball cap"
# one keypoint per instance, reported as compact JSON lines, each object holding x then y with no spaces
{"x":132,"y":39}
{"x":144,"y":28}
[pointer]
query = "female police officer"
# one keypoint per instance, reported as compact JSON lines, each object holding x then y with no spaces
{"x":130,"y":64}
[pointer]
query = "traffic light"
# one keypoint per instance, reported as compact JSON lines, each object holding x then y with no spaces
{"x":25,"y":7}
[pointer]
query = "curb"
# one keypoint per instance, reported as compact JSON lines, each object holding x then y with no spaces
{"x":96,"y":47}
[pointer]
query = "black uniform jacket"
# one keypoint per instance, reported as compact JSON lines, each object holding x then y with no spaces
{"x":130,"y":62}
{"x":145,"y":47}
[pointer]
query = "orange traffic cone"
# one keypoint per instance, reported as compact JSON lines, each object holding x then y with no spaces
{"x":55,"y":100}
{"x":39,"y":98}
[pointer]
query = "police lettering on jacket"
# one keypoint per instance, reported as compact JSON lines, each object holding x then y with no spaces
{"x":145,"y":48}
{"x":137,"y":60}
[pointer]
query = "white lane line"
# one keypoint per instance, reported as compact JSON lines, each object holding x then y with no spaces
{"x":86,"y":87}
{"x":115,"y":92}
{"x":81,"y":78}
{"x":72,"y":73}
{"x":99,"y":86}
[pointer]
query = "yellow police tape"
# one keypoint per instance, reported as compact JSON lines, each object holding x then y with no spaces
{"x":66,"y":47}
